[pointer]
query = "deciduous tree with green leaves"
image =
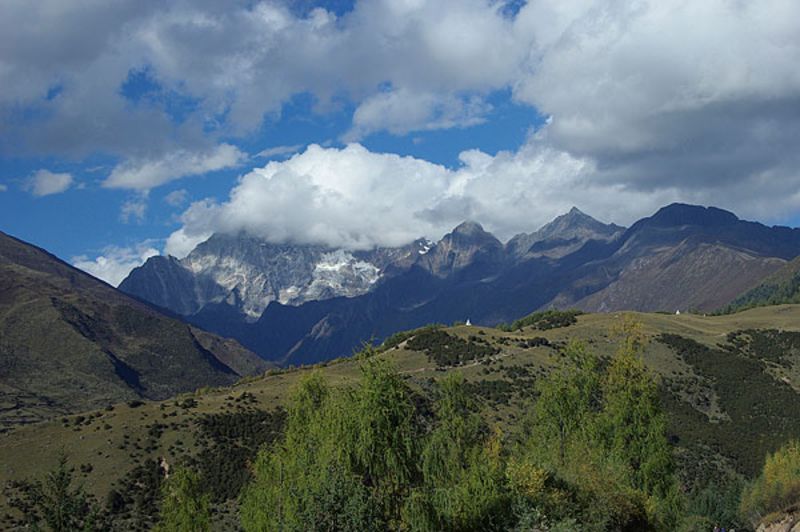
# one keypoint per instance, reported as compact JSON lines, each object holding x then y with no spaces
{"x":185,"y":506}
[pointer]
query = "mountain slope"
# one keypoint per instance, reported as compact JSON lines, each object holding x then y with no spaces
{"x":728,"y":385}
{"x":69,"y":342}
{"x":783,"y":287}
{"x":683,"y":257}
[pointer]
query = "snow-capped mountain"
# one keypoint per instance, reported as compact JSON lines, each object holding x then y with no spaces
{"x":248,"y":273}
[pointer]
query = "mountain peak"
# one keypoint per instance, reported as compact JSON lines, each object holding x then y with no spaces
{"x":469,"y":227}
{"x":470,"y":233}
{"x":572,"y":223}
{"x":565,"y":234}
{"x":678,"y":214}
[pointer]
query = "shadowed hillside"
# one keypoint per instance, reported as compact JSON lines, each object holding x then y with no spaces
{"x":69,"y":342}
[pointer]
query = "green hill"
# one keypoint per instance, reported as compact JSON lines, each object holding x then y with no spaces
{"x":781,"y":288}
{"x":730,"y":385}
{"x":69,"y":343}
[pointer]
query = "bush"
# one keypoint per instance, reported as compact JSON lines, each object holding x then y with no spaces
{"x":778,"y":486}
{"x":448,"y":350}
{"x":544,"y":320}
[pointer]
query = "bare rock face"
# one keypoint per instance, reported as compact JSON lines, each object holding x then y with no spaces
{"x":248,"y":273}
{"x":467,"y":245}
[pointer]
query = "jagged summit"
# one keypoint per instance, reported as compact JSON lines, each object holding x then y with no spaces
{"x":574,"y":224}
{"x":565,"y":234}
{"x":471,"y":232}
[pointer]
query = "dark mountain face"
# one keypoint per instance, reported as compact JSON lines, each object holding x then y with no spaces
{"x":563,"y":236}
{"x":781,"y":288}
{"x":69,"y":342}
{"x":683,"y":257}
{"x":468,"y":246}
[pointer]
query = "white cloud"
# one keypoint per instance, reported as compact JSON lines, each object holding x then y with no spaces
{"x":144,"y":174}
{"x":240,"y":63}
{"x":115,"y":263}
{"x":277,"y":151}
{"x":402,"y":111}
{"x":44,"y":183}
{"x":184,"y":240}
{"x":660,"y":97}
{"x":3,"y":188}
{"x":134,"y":209}
{"x":358,"y":199}
{"x":176,"y":198}
{"x":692,"y":94}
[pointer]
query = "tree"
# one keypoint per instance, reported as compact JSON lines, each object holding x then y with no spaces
{"x":383,"y":438}
{"x":632,"y":421}
{"x":598,"y":430}
{"x":567,"y":401}
{"x":345,"y":462}
{"x":778,"y":486}
{"x":55,"y":504}
{"x":185,"y":506}
{"x":463,"y":485}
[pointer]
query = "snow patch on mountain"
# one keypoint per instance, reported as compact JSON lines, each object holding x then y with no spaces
{"x":254,"y":273}
{"x":339,"y":273}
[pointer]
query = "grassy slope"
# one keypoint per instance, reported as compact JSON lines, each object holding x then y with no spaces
{"x":69,"y":342}
{"x":29,"y":451}
{"x":783,"y":287}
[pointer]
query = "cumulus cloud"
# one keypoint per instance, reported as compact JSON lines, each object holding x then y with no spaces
{"x":695,"y":94}
{"x":651,"y":99}
{"x":115,"y":263}
{"x":402,"y":111}
{"x":45,"y":183}
{"x":358,"y":199}
{"x":239,"y":64}
{"x":144,"y":174}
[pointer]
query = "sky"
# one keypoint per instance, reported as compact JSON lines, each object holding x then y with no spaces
{"x":130,"y":128}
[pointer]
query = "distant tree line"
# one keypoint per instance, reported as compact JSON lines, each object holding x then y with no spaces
{"x":543,"y":320}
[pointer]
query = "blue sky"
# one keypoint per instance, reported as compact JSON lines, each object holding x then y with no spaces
{"x":142,"y":127}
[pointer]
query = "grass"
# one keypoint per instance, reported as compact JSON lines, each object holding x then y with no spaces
{"x":710,"y":408}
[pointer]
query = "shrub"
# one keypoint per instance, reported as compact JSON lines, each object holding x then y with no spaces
{"x":778,"y":486}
